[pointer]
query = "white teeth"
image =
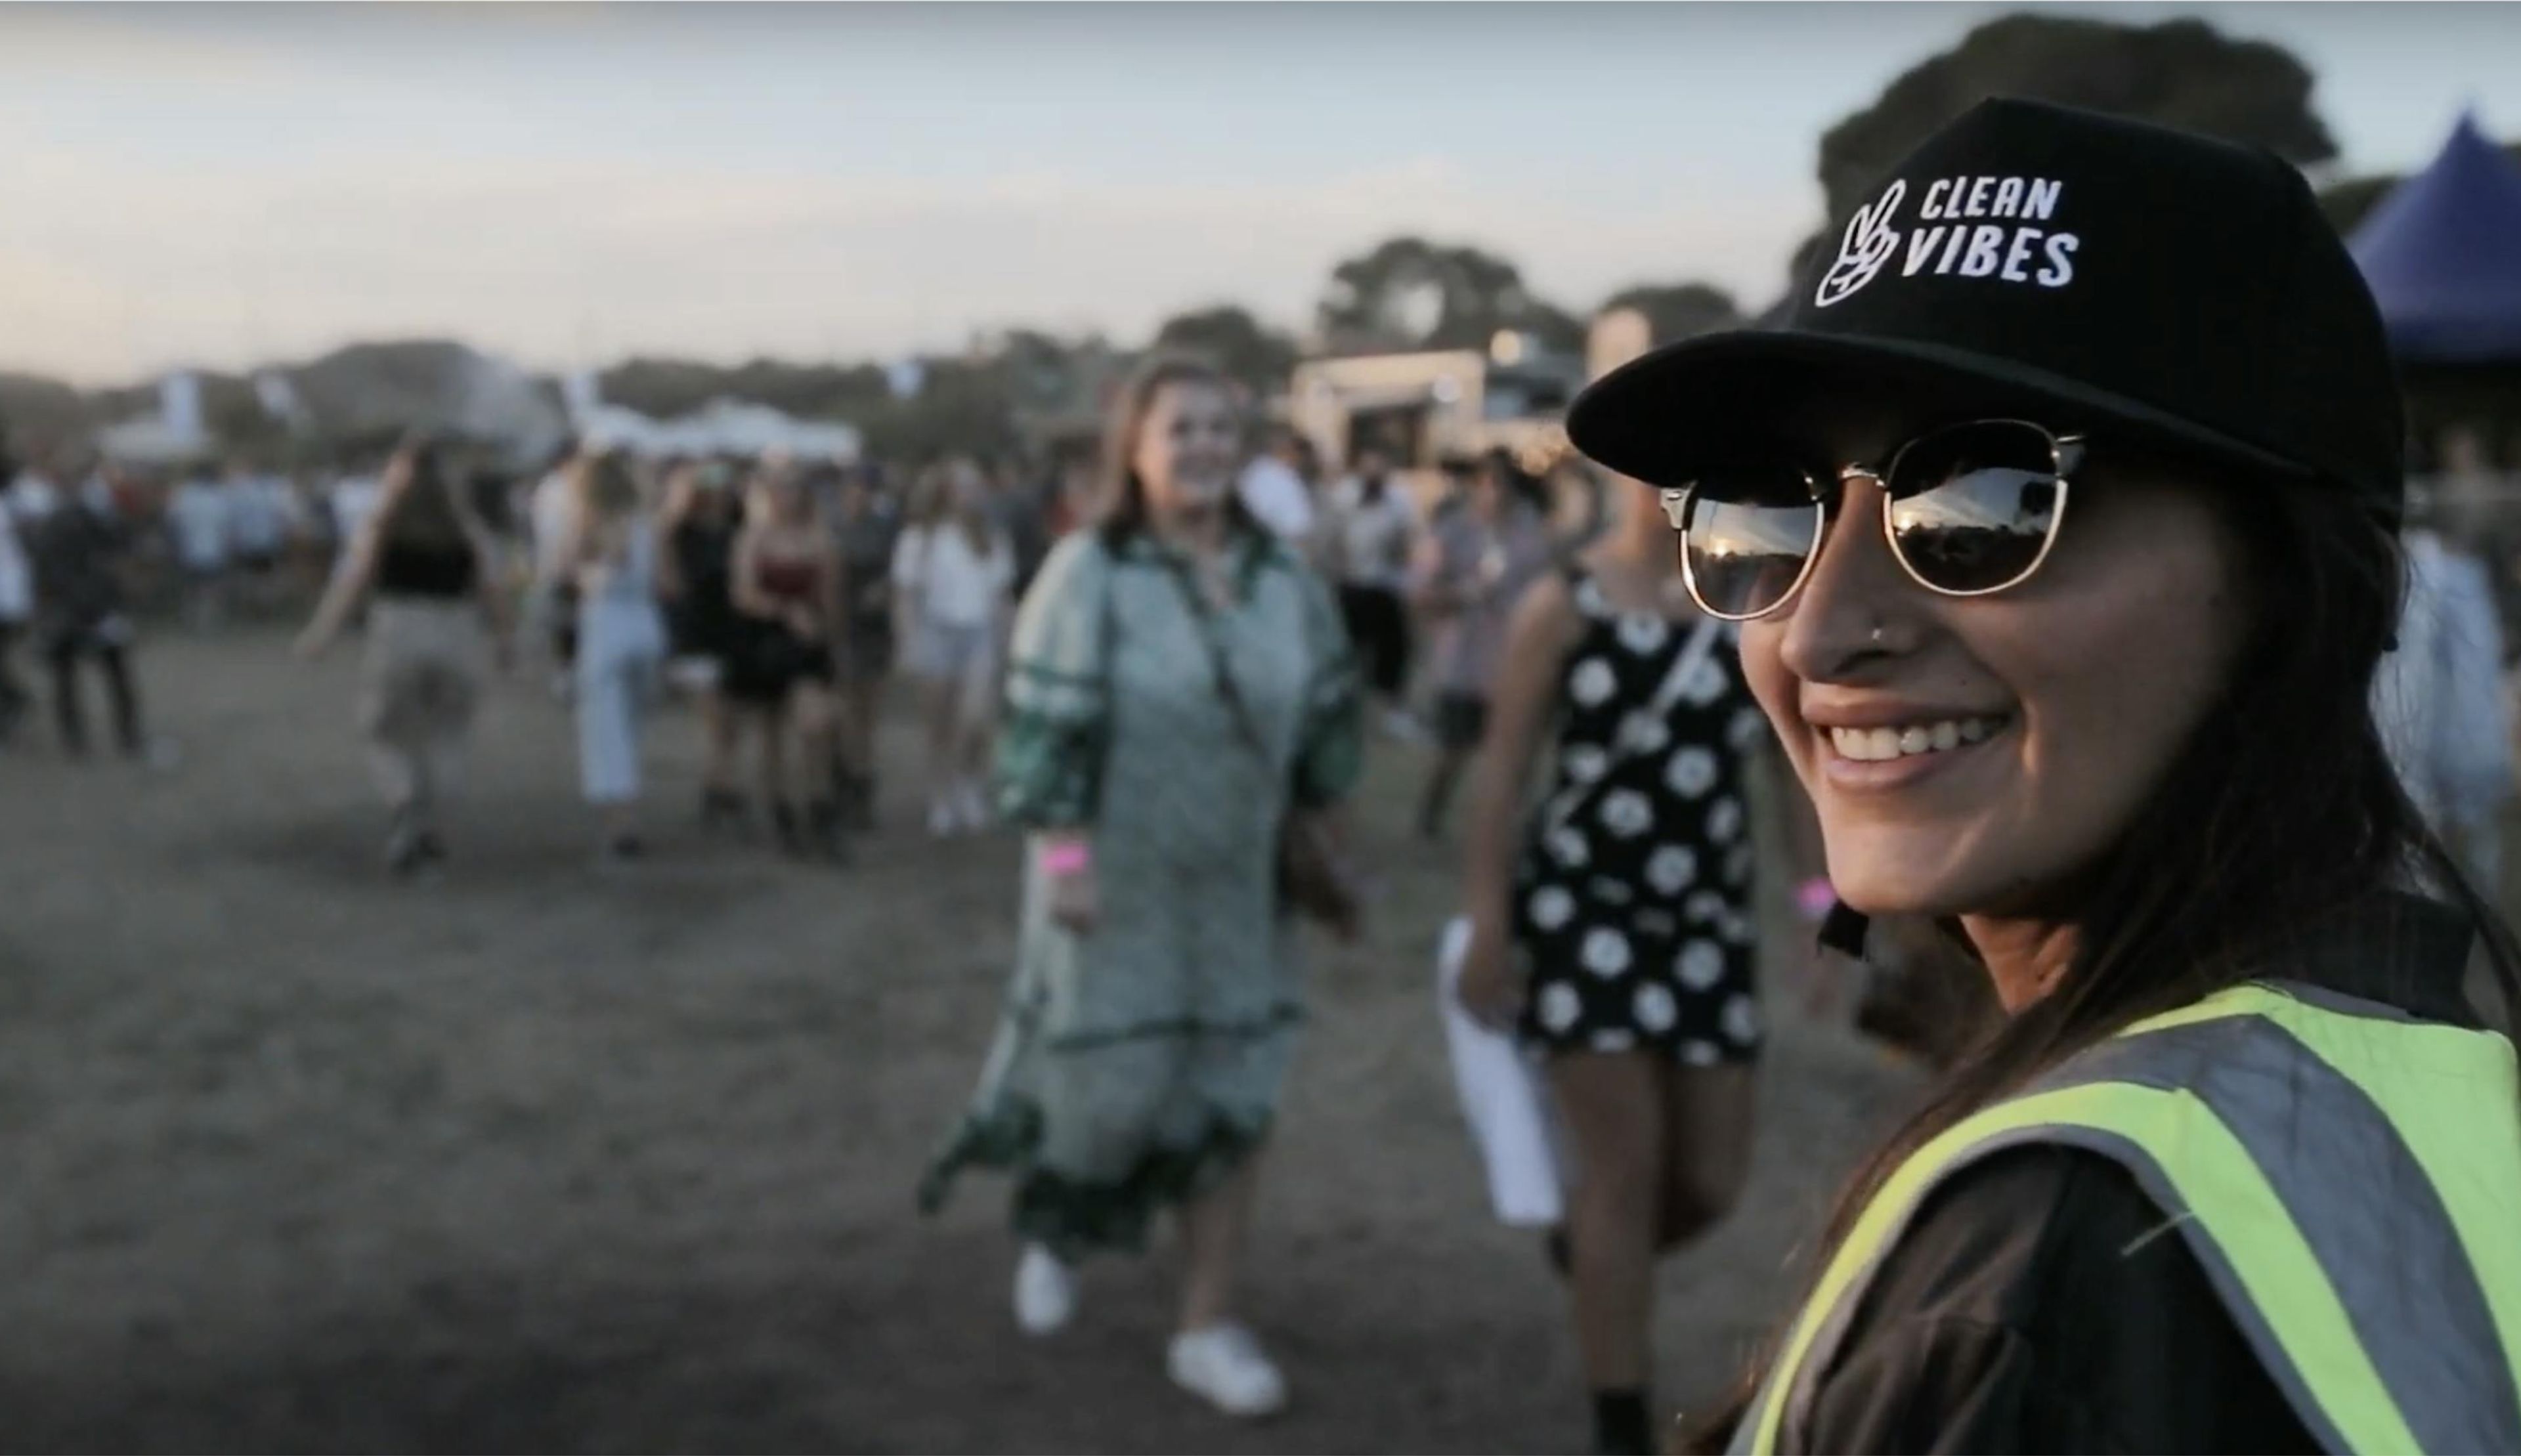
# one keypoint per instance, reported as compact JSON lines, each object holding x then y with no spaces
{"x":1882,"y":745}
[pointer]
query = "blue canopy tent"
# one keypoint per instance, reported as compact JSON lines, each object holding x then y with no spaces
{"x":2441,"y":254}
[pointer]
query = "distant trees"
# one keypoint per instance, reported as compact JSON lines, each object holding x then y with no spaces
{"x":1229,"y":337}
{"x":2183,"y":73}
{"x":1408,"y":292}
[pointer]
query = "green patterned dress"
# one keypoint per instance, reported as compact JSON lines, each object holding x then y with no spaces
{"x":1136,"y":1067}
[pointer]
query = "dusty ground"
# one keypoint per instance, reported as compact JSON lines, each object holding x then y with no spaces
{"x":547,"y":1158}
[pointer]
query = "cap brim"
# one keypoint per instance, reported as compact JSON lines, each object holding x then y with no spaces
{"x":1664,"y":418}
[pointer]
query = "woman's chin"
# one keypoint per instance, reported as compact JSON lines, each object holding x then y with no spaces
{"x":1891,"y":878}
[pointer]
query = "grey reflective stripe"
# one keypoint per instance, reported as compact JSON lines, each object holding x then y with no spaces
{"x":2364,"y":1205}
{"x":2342,"y":1003}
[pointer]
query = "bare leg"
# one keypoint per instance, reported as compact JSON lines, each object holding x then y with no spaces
{"x":1707,"y":1146}
{"x":771,"y":723}
{"x":937,"y":705}
{"x":720,"y":725}
{"x":1615,"y":1110}
{"x":1213,"y":1229}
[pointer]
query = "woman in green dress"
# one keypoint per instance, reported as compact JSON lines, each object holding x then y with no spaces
{"x":1179,"y":684}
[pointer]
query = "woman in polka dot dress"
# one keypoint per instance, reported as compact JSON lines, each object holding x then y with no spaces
{"x":1614,"y":928}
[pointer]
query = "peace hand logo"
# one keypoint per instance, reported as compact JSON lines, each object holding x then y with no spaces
{"x":1867,"y":244}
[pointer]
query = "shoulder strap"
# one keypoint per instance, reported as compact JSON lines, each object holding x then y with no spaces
{"x":1565,"y":806}
{"x":1238,"y":710}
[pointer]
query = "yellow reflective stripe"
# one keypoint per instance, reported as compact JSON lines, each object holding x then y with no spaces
{"x":2443,"y":1089}
{"x":1884,"y":1215}
{"x":2214,"y":1177}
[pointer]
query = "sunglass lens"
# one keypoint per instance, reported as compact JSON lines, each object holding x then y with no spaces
{"x":1972,"y":507}
{"x":1747,"y":538}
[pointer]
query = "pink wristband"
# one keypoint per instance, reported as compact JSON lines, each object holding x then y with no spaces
{"x":1065,"y":857}
{"x":1814,"y":897}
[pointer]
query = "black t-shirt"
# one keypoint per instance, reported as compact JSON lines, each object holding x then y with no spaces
{"x":2040,"y":1301}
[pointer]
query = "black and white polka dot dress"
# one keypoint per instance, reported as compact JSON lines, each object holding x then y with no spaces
{"x":1634,"y":917}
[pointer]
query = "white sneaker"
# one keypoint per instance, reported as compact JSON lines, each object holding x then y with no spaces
{"x":1223,"y":1366}
{"x":1046,"y":1292}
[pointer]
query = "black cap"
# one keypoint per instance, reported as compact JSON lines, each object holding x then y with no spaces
{"x":2090,"y":273}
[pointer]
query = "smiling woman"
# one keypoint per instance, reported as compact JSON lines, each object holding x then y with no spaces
{"x":2126,"y":754}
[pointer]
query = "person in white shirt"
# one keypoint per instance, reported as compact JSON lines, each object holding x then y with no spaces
{"x":197,"y":515}
{"x":261,"y":516}
{"x":552,"y":522}
{"x":2438,"y":699}
{"x":1278,"y":490}
{"x":1373,"y":536}
{"x":952,"y":573}
{"x":354,"y":500}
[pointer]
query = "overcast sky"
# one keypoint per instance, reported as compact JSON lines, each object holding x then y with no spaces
{"x":215,"y":184}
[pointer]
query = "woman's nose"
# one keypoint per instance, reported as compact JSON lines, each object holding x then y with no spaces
{"x":1858,"y":605}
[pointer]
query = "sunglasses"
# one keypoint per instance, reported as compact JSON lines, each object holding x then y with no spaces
{"x":1968,"y":509}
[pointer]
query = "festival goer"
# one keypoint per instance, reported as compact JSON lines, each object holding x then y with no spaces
{"x":870,"y":530}
{"x":197,"y":517}
{"x":1277,"y":489}
{"x":2065,"y":598}
{"x":425,"y":557}
{"x":552,"y":599}
{"x":81,"y":548}
{"x":1373,"y":530}
{"x":1180,"y":685}
{"x":951,"y":574}
{"x":700,"y":520}
{"x":2438,"y":698}
{"x":1473,"y":568}
{"x":353,"y":499}
{"x":620,"y":640}
{"x":787,"y":586}
{"x":261,"y":516}
{"x":1018,"y":513}
{"x":1614,"y":931}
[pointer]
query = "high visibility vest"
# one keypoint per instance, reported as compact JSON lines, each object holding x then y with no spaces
{"x":2349,"y":1178}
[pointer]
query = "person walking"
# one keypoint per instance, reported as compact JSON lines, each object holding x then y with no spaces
{"x":1373,"y":534}
{"x":951,"y":572}
{"x":1180,"y":694}
{"x":80,"y":548}
{"x":620,"y":641}
{"x":2065,"y":605}
{"x":1614,"y":931}
{"x":425,"y":557}
{"x":1475,"y":564}
{"x":699,"y":521}
{"x":198,"y":518}
{"x":787,"y":586}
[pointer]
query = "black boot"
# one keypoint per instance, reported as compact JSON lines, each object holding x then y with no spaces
{"x":858,"y":801}
{"x":792,"y":837}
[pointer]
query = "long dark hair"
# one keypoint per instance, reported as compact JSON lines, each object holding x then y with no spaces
{"x":1122,"y":512}
{"x":2282,"y":810}
{"x":430,"y":512}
